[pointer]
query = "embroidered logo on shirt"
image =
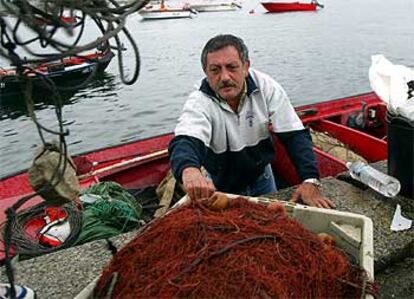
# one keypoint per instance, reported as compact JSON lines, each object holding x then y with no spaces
{"x":249,"y":118}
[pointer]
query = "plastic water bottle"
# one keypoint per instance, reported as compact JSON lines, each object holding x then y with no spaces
{"x":380,"y":182}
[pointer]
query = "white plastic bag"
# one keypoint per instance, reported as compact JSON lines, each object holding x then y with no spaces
{"x":389,"y":82}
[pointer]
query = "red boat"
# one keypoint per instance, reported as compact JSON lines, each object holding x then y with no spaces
{"x":357,"y":121}
{"x":290,"y":6}
{"x":74,"y":68}
{"x":66,"y":20}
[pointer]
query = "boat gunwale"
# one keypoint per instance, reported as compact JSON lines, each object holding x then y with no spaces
{"x":19,"y":172}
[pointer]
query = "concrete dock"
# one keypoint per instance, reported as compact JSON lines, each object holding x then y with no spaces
{"x":65,"y":273}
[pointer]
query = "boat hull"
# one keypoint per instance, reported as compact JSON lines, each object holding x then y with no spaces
{"x":275,"y":7}
{"x":165,"y":14}
{"x":214,"y":7}
{"x":331,"y":116}
{"x":144,"y":163}
{"x":61,"y":73}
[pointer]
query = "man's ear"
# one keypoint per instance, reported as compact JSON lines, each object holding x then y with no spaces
{"x":246,"y":67}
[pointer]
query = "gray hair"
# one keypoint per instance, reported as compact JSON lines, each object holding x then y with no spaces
{"x":222,"y":41}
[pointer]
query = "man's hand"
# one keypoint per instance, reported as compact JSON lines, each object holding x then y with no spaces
{"x":196,"y":185}
{"x":310,"y":195}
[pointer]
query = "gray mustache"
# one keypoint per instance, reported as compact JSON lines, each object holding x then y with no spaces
{"x":226,"y":84}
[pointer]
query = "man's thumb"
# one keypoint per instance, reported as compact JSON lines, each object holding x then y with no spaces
{"x":295,"y":196}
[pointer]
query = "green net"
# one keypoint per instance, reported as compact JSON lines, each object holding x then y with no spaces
{"x":113,"y":212}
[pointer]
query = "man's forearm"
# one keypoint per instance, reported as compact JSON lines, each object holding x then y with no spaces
{"x":185,"y":152}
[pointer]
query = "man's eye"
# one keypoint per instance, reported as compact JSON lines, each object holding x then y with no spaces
{"x":214,"y":71}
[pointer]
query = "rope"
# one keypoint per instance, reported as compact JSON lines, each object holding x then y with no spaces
{"x":45,"y":20}
{"x":25,"y":245}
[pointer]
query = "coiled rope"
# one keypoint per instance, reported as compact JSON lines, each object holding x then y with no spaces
{"x":110,"y":18}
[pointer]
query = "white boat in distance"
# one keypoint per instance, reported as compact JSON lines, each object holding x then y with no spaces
{"x":214,"y":5}
{"x":151,"y":12}
{"x":160,"y":14}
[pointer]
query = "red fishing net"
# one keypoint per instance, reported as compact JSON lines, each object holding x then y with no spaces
{"x":244,"y":251}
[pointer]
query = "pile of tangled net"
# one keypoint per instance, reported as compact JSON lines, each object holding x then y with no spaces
{"x":244,"y":251}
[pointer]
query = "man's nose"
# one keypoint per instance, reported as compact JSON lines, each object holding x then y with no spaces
{"x":225,"y":75}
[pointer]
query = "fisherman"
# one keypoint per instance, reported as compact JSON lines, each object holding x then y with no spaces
{"x":225,"y":128}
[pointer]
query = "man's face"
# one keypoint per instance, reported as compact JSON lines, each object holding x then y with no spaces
{"x":226,"y":73}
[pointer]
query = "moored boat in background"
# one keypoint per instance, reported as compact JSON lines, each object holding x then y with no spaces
{"x":155,"y":12}
{"x":214,"y":5}
{"x":66,"y":20}
{"x":60,"y":72}
{"x":275,"y":6}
